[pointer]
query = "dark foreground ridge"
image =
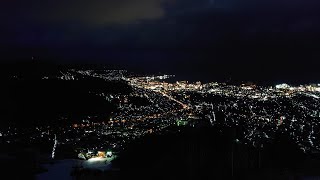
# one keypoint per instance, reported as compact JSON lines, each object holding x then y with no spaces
{"x":205,"y":153}
{"x":209,"y":153}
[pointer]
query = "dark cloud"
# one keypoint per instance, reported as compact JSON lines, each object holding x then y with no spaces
{"x":84,"y":11}
{"x":211,"y":32}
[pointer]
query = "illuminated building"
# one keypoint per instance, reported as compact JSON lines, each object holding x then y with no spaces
{"x":101,"y":154}
{"x":109,"y":154}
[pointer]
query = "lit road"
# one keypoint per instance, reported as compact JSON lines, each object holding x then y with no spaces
{"x":173,"y":99}
{"x":185,"y":106}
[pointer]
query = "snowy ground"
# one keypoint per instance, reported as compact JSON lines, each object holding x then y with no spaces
{"x":98,"y":163}
{"x":58,"y":170}
{"x":62,"y":169}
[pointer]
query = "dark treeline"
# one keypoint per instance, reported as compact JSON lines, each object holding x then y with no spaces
{"x":208,"y":153}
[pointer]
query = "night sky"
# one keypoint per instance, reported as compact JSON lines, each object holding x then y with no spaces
{"x":258,"y":40}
